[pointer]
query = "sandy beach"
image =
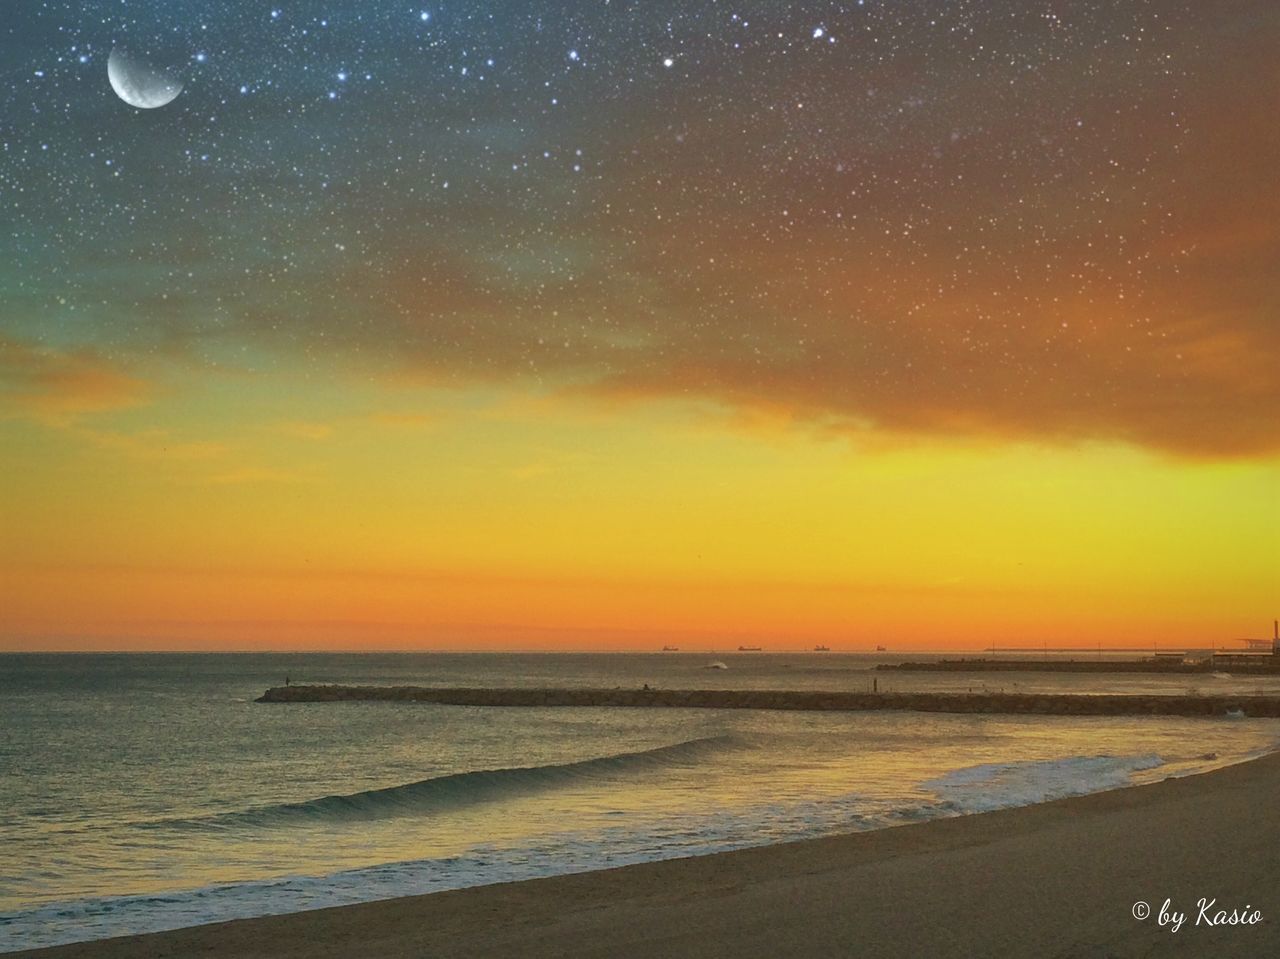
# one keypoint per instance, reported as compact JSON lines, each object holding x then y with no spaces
{"x":1057,"y":879}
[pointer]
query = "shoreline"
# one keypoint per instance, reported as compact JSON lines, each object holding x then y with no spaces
{"x":1055,"y":878}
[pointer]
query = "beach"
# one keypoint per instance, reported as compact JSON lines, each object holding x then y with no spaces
{"x":1056,"y":879}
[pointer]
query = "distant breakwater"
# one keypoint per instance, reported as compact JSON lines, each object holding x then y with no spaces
{"x":1048,"y":666}
{"x":1044,"y":704}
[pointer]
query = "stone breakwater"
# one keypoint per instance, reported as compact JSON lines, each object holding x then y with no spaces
{"x":1076,"y":666}
{"x":1044,"y":704}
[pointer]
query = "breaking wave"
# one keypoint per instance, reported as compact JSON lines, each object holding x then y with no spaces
{"x":461,"y":789}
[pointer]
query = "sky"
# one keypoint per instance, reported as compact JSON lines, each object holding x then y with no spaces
{"x":613,"y":325}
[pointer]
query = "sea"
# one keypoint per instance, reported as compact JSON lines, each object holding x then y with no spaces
{"x":144,"y":792}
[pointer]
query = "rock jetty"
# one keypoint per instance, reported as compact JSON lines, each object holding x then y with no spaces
{"x":1175,"y":666}
{"x":1044,"y":704}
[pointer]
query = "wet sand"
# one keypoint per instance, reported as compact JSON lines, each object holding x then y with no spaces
{"x":1058,"y":879}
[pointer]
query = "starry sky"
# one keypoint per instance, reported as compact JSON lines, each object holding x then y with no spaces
{"x":600,"y":324}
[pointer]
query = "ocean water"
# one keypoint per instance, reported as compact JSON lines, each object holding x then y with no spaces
{"x":147,"y":792}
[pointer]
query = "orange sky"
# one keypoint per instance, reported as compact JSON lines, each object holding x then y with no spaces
{"x":494,"y":521}
{"x":925,"y":338}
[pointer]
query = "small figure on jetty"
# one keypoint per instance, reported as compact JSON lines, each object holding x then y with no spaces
{"x":286,"y":680}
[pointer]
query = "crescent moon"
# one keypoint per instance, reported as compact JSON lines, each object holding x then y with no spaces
{"x":139,"y":84}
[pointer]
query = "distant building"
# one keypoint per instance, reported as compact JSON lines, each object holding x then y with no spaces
{"x":1259,"y":653}
{"x":1245,"y":658}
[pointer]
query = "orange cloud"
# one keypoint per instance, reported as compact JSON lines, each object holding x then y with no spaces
{"x":57,"y":388}
{"x":154,"y":444}
{"x":306,"y":430}
{"x":257,"y":474}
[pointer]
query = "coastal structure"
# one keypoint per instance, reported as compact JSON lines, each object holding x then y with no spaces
{"x":1011,"y":703}
{"x":1260,"y":656}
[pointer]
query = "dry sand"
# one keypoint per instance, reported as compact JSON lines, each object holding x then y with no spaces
{"x":1058,"y":879}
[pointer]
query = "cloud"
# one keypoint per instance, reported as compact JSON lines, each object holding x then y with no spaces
{"x":401,"y":420}
{"x":305,"y":430}
{"x":255,"y":475}
{"x":154,"y":444}
{"x":1056,"y":239}
{"x":1102,"y":270}
{"x":58,"y":388}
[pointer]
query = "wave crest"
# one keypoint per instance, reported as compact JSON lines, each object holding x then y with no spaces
{"x":461,"y":789}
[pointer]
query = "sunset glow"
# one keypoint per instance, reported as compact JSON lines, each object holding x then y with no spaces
{"x":929,"y":356}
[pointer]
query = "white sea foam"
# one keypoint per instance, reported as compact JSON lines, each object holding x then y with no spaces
{"x":991,"y":786}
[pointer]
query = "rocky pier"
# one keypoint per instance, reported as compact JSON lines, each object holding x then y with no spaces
{"x":1044,"y":704}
